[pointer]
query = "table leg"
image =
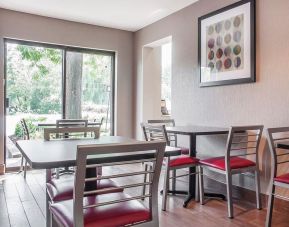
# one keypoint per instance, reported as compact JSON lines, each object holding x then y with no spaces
{"x":192,"y":178}
{"x":192,"y":170}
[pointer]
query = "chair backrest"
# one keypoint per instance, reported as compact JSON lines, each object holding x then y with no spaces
{"x":26,"y":135}
{"x":168,"y":123}
{"x":71,"y":123}
{"x":154,"y":132}
{"x":73,"y":132}
{"x":243,"y":141}
{"x":156,"y":150}
{"x":279,"y":156}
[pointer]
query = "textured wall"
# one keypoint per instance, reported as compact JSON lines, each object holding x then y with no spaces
{"x":35,"y":28}
{"x":265,"y":102}
{"x":152,"y":83}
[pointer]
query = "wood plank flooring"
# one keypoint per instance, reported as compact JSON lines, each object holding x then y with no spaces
{"x":22,"y":203}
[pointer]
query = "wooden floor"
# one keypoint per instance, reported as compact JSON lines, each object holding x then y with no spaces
{"x":22,"y":203}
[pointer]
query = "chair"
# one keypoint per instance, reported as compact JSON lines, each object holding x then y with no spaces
{"x":60,"y":189}
{"x":172,"y":137}
{"x":26,"y":136}
{"x":158,"y":132}
{"x":278,"y":157}
{"x":68,"y":123}
{"x":241,"y":141}
{"x":112,"y":209}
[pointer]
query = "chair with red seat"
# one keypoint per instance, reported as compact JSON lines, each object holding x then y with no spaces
{"x":173,"y":141}
{"x":59,"y":189}
{"x":242,"y":142}
{"x":154,"y":132}
{"x":114,"y":209}
{"x":172,"y":137}
{"x":279,"y":157}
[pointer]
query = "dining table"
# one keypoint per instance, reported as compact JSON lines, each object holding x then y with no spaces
{"x":41,"y":154}
{"x":193,"y":131}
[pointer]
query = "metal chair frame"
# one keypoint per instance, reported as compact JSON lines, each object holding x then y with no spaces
{"x":275,"y":155}
{"x":66,"y":131}
{"x":68,"y":123}
{"x":83,"y":151}
{"x":172,"y":137}
{"x":235,"y":137}
{"x":154,"y":132}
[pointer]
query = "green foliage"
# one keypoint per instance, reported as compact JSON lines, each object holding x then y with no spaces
{"x":34,"y":79}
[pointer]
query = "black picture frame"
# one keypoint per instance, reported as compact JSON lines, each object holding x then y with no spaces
{"x":252,"y":77}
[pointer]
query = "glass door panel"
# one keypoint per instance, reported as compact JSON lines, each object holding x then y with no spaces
{"x":33,"y":92}
{"x":89,"y":78}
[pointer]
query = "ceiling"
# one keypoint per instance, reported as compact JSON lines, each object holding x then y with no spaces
{"x":130,"y":15}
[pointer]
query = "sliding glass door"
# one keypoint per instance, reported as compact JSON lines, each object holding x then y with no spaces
{"x":48,"y":82}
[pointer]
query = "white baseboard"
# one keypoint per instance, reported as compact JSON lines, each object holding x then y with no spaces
{"x":2,"y":169}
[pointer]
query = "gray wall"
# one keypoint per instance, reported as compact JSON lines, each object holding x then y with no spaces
{"x":265,"y":102}
{"x":35,"y":28}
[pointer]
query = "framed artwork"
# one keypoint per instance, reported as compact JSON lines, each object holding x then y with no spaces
{"x":227,"y":45}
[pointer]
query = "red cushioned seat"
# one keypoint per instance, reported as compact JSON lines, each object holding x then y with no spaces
{"x":119,"y":214}
{"x":185,"y":150}
{"x":236,"y":162}
{"x":62,"y":188}
{"x":182,"y":160}
{"x":283,"y":178}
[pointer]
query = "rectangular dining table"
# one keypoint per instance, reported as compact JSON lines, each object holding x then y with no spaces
{"x":193,"y":131}
{"x":48,"y":155}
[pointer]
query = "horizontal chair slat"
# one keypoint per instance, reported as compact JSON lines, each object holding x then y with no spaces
{"x":243,"y":136}
{"x":117,"y":175}
{"x":99,"y":191}
{"x":121,"y":163}
{"x":242,"y":148}
{"x":244,"y":142}
{"x":136,"y":185}
{"x":49,"y":131}
{"x":243,"y":154}
{"x":117,"y":201}
{"x":280,"y":138}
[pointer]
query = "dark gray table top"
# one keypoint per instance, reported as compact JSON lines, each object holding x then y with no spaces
{"x":42,"y":154}
{"x":197,"y":130}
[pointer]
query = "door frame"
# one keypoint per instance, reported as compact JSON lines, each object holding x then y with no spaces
{"x":64,"y":50}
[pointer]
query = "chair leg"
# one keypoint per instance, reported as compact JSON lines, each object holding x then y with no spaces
{"x":229,"y":195}
{"x":197,"y":192}
{"x":145,"y":180}
{"x":25,"y":169}
{"x":270,"y":206}
{"x":166,"y":186}
{"x":21,"y":166}
{"x":174,"y":179}
{"x":258,"y":196}
{"x":201,"y":185}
